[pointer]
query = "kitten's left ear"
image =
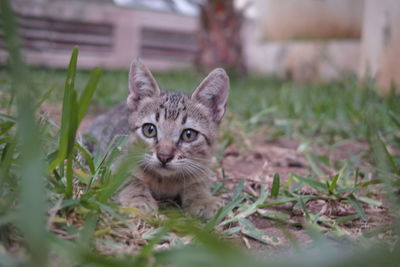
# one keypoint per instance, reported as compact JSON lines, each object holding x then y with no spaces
{"x":213,"y":93}
{"x":141,"y":84}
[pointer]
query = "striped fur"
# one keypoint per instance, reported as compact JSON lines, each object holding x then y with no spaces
{"x":186,"y":174}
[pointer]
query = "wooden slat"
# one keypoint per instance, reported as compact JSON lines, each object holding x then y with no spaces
{"x":41,"y":34}
{"x":77,"y":37}
{"x":64,"y":25}
{"x":43,"y":45}
{"x":165,"y":44}
{"x":166,"y":54}
{"x":176,"y":37}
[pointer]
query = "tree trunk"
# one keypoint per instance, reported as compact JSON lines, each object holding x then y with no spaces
{"x":220,"y":43}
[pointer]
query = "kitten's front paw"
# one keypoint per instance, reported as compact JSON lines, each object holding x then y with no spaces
{"x":145,"y":205}
{"x":205,"y":208}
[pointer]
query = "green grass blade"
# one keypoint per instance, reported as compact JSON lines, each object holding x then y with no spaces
{"x":395,"y":119}
{"x":5,"y":127}
{"x":371,"y":182}
{"x":348,"y":218}
{"x":70,"y":143}
{"x":31,"y":207}
{"x":275,"y":186}
{"x":389,"y":158}
{"x":223,"y":212}
{"x":278,"y":202}
{"x":6,"y":163}
{"x":333,"y":183}
{"x":239,"y":189}
{"x":147,"y":250}
{"x":8,"y":118}
{"x":274,"y":215}
{"x":313,"y":165}
{"x":73,"y":120}
{"x":247,"y":210}
{"x":377,"y":231}
{"x":87,"y":93}
{"x":88,"y":157}
{"x":248,"y":229}
{"x":304,"y":208}
{"x":311,"y":182}
{"x":128,"y":163}
{"x":67,"y":111}
{"x":335,"y":179}
{"x":357,"y":206}
{"x":370,"y":201}
{"x":70,"y":186}
{"x":87,"y":232}
{"x":45,"y":96}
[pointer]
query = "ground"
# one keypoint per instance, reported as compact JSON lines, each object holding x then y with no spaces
{"x":258,"y":158}
{"x":282,"y":156}
{"x":292,"y":160}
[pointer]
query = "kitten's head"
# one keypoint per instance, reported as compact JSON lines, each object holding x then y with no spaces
{"x":179,"y":128}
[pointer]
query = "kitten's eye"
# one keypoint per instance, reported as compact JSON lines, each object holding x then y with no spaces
{"x":189,"y":135}
{"x":149,"y":130}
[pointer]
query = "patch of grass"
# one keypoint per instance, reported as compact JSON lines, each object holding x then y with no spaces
{"x":78,"y":191}
{"x":330,"y":112}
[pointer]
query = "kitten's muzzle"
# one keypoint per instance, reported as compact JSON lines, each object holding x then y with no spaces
{"x":164,"y":158}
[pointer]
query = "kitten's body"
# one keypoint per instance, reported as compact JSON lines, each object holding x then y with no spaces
{"x":107,"y":126}
{"x":180,"y":130}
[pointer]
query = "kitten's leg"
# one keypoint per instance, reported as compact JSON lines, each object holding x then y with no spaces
{"x":198,"y":200}
{"x":137,"y":194}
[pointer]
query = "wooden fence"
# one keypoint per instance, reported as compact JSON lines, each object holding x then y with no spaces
{"x":108,"y":36}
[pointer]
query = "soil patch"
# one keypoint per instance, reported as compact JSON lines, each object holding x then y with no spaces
{"x":259,"y":164}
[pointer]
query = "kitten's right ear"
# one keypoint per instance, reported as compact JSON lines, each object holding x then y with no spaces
{"x":141,"y":84}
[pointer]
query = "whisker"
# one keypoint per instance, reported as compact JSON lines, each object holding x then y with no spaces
{"x":200,"y":168}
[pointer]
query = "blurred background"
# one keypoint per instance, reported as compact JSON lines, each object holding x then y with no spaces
{"x":307,"y":41}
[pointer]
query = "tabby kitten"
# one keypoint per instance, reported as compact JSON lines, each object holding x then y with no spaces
{"x":180,"y":131}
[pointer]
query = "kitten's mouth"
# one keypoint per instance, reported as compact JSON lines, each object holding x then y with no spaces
{"x":159,"y":166}
{"x":165,"y":170}
{"x":164,"y":166}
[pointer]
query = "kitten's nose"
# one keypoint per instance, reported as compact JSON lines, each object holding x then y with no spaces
{"x":164,"y":158}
